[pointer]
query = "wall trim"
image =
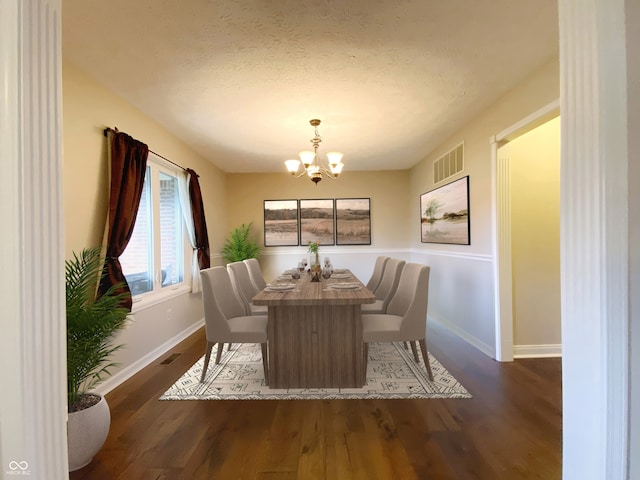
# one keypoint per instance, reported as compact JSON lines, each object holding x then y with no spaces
{"x":451,"y":254}
{"x":479,"y":344}
{"x":126,"y":373}
{"x":537,"y":351}
{"x":337,"y":249}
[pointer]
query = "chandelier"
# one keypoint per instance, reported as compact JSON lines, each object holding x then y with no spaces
{"x":311,"y":163}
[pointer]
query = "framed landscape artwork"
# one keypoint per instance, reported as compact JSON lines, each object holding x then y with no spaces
{"x":280,"y":223}
{"x":353,"y":221}
{"x":317,"y":221}
{"x":444,"y":214}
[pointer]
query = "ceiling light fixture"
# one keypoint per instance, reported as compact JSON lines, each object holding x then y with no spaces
{"x":311,"y":163}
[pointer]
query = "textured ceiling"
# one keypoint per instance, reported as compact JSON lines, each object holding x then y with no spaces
{"x":239,"y":80}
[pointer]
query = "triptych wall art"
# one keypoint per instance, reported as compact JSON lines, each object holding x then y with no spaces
{"x":339,"y":221}
{"x":444,"y":214}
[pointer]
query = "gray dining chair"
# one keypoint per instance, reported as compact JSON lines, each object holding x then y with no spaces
{"x":386,"y":288}
{"x":244,"y":288}
{"x":406,"y":317}
{"x":255,"y":273}
{"x":376,"y":276}
{"x":226,"y":320}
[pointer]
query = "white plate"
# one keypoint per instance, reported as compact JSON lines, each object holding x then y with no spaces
{"x":281,"y":287}
{"x":345,"y":286}
{"x":341,"y":275}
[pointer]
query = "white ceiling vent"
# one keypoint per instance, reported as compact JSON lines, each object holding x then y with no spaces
{"x":449,"y":164}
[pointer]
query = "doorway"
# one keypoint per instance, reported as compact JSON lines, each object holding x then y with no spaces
{"x":503,"y":259}
{"x":534,"y":185}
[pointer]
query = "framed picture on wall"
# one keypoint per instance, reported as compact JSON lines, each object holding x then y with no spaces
{"x":444,"y":214}
{"x":281,"y":226}
{"x":317,"y":221}
{"x":353,"y":221}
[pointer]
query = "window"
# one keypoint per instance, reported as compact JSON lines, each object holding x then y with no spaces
{"x":154,"y":259}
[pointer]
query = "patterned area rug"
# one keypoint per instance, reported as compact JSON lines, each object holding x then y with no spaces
{"x":391,"y":373}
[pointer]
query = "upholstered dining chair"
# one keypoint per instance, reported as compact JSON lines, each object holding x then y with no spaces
{"x":226,"y":320}
{"x":406,"y":317}
{"x":376,"y":276}
{"x":244,"y":288}
{"x":386,"y":288}
{"x":255,"y":273}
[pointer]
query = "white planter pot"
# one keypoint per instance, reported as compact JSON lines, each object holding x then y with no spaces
{"x":87,"y":431}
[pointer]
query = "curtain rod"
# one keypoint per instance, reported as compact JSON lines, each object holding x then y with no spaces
{"x":115,"y":130}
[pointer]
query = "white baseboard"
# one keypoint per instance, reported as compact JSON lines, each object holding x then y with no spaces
{"x":479,"y":344}
{"x":537,"y":351}
{"x":126,"y":373}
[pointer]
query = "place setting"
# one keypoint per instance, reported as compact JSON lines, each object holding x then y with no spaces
{"x":343,"y":286}
{"x":280,"y":287}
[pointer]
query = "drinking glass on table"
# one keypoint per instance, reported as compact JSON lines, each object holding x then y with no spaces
{"x":327,"y":264}
{"x":301,"y":266}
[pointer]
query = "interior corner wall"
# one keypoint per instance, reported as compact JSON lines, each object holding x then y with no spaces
{"x":462,"y":286}
{"x":87,"y":109}
{"x":387,"y":190}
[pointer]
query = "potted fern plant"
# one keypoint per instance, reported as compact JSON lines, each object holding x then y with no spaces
{"x":239,"y":246}
{"x":92,"y":322}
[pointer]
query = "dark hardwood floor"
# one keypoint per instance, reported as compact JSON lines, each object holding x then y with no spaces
{"x":510,"y":429}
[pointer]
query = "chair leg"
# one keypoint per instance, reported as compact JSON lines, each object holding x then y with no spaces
{"x":229,"y":347}
{"x":406,"y":346}
{"x":219,"y":354}
{"x":207,"y":356}
{"x":425,"y":356}
{"x":415,"y":351}
{"x":265,"y":363}
{"x":365,"y":353}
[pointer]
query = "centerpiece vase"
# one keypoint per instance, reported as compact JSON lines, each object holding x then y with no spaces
{"x":315,"y":269}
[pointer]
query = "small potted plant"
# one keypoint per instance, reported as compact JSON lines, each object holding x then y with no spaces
{"x":239,"y":246}
{"x":92,"y":321}
{"x":315,"y":268}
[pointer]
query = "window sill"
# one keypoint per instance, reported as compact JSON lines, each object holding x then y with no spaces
{"x":142,"y":302}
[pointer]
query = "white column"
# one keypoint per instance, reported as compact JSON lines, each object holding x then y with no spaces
{"x":32,"y":323}
{"x":594,"y":243}
{"x":502,"y":255}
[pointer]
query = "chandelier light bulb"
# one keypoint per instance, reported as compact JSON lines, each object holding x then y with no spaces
{"x":334,"y":158}
{"x":292,"y":166}
{"x":307,"y":157}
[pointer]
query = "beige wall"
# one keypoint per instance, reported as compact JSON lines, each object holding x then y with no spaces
{"x":388,"y":191}
{"x":535,"y":92}
{"x":534,"y":164}
{"x":462,"y":277}
{"x":87,"y":109}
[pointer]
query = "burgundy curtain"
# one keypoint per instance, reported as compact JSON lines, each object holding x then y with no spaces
{"x":128,"y":168}
{"x":199,"y":222}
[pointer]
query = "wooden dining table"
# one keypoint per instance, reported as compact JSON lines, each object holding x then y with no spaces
{"x":315,"y":330}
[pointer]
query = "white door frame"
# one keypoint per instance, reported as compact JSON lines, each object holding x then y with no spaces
{"x":501,"y":207}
